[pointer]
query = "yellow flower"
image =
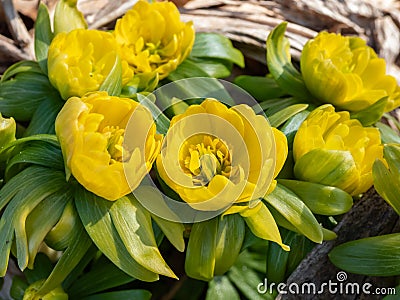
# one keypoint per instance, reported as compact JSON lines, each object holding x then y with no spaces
{"x":332,"y":149}
{"x":214,"y":156}
{"x":347,"y":73}
{"x":91,"y":133}
{"x":152,"y":39}
{"x":224,"y":159}
{"x":79,"y":61}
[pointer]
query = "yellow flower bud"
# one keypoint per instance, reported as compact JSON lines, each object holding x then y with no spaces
{"x":347,"y":73}
{"x":56,"y":294}
{"x":67,"y":17}
{"x":91,"y":131}
{"x":79,"y":61}
{"x":332,"y":149}
{"x":216,"y":157}
{"x":152,"y":39}
{"x":7,"y":130}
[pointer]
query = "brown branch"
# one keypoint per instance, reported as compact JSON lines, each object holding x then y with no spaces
{"x":9,"y":52}
{"x":371,"y":216}
{"x":15,"y":24}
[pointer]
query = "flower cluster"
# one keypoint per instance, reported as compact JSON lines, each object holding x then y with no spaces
{"x":81,"y":60}
{"x":108,"y":163}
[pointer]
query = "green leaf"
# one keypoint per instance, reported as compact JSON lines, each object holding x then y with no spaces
{"x":280,"y":65}
{"x":43,"y":36}
{"x":103,"y":276}
{"x":329,"y":235}
{"x":187,"y":69}
{"x":300,"y":246}
{"x":41,"y":269}
{"x":21,"y":67}
{"x":133,"y":224}
{"x":162,"y":122}
{"x":173,"y":231}
{"x":18,"y":288}
{"x":91,"y":256}
{"x":38,"y":153}
{"x":255,"y":257}
{"x":230,"y":236}
{"x":95,"y":215}
{"x":247,"y":280}
{"x":35,"y":184}
{"x":372,"y":114}
{"x":391,"y":153}
{"x":21,"y":96}
{"x":190,"y":289}
{"x":387,"y":184}
{"x":46,"y":184}
{"x":200,"y":255}
{"x":48,"y":138}
{"x":278,"y":118}
{"x":276,"y":262}
{"x":220,"y":288}
{"x":272,"y":106}
{"x":60,"y":236}
{"x":25,"y":178}
{"x":42,"y":219}
{"x":213,"y":45}
{"x":45,"y":116}
{"x":260,"y":87}
{"x":388,"y":135}
{"x":374,"y":256}
{"x":193,"y":91}
{"x":113,"y":82}
{"x":251,"y":239}
{"x":320,"y":199}
{"x":292,"y":125}
{"x":118,"y":295}
{"x":67,"y":17}
{"x":216,"y":68}
{"x":296,"y":212}
{"x":76,"y":250}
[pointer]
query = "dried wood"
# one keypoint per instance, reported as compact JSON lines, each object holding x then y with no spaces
{"x":15,"y":24}
{"x":371,"y":216}
{"x":248,"y":23}
{"x":10,"y":53}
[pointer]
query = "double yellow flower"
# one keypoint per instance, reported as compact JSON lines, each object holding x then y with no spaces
{"x":332,"y":149}
{"x":345,"y":72}
{"x":150,"y":40}
{"x":91,"y":131}
{"x":216,"y":157}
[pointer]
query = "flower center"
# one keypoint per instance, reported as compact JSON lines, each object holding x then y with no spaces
{"x":204,"y":156}
{"x":115,"y":137}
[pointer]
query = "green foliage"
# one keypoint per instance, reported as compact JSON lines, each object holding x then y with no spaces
{"x":43,"y":36}
{"x":279,"y":64}
{"x":262,"y":88}
{"x":290,"y":206}
{"x":213,"y":55}
{"x":374,"y":256}
{"x":387,"y":180}
{"x":22,"y":89}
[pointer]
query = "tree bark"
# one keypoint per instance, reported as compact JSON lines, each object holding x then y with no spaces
{"x":370,"y":216}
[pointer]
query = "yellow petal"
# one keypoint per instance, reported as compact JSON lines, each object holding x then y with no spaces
{"x":263,"y":225}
